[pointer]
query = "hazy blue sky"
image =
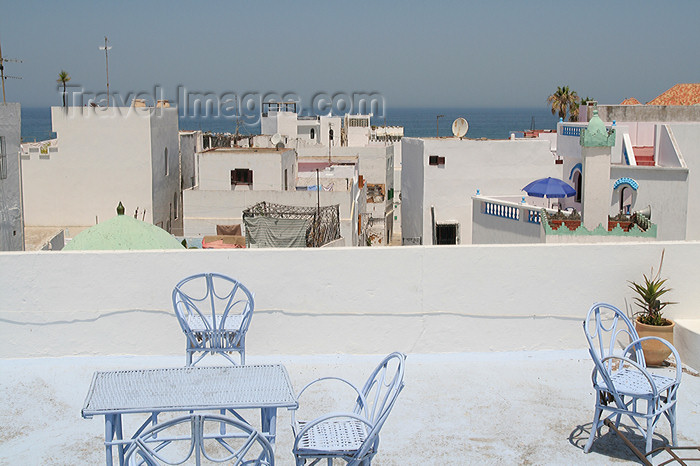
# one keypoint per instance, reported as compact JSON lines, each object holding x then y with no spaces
{"x":493,"y":53}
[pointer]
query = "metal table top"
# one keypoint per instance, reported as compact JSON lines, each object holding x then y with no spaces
{"x":189,"y":388}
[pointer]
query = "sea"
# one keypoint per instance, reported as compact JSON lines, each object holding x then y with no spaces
{"x":489,"y":123}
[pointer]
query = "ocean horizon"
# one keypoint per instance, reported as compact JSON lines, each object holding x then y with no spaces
{"x":489,"y":123}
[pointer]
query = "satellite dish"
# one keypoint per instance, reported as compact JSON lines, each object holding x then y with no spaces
{"x":276,"y":139}
{"x":460,"y":127}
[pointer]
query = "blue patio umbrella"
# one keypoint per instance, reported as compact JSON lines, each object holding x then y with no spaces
{"x":549,"y":187}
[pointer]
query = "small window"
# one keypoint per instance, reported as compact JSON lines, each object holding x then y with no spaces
{"x":312,"y":133}
{"x":165,"y":154}
{"x":175,"y":203}
{"x":242,"y":176}
{"x":446,"y":233}
{"x":436,"y":161}
{"x":286,"y":186}
{"x":3,"y":159}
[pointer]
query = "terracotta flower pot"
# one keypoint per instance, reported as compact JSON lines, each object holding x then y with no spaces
{"x":655,"y":352}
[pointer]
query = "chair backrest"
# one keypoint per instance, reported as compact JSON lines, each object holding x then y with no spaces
{"x":609,"y":331}
{"x":193,"y":437}
{"x":379,"y":395}
{"x":212,"y":297}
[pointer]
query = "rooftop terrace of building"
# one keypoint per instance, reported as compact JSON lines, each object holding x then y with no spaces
{"x":497,"y":367}
{"x":461,"y":408}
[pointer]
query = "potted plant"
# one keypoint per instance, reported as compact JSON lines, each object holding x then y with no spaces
{"x":649,"y":321}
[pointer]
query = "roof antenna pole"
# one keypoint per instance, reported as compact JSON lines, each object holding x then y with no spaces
{"x":106,"y":48}
{"x":2,"y":72}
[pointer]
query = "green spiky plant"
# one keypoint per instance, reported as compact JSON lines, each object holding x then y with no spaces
{"x":649,"y":296}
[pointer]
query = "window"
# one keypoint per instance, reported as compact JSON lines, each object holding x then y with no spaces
{"x":436,"y":161}
{"x":286,"y":186}
{"x":175,"y":203}
{"x":446,"y":233}
{"x":312,"y":133}
{"x":358,"y":122}
{"x":3,"y":159}
{"x":626,"y":200}
{"x":241,"y":176}
{"x":165,"y":154}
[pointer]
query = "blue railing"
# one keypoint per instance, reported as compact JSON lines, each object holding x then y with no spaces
{"x":571,"y":131}
{"x":534,"y":216}
{"x":503,"y":211}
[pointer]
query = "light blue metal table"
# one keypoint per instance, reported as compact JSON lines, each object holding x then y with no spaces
{"x":153,"y":391}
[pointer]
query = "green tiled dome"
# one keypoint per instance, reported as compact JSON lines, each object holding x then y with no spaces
{"x":123,"y":232}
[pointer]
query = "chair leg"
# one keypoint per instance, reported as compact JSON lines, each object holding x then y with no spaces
{"x":650,"y":433}
{"x":672,"y":421}
{"x":594,"y":429}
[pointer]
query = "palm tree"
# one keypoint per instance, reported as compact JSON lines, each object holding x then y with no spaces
{"x":564,"y":100}
{"x":63,"y":78}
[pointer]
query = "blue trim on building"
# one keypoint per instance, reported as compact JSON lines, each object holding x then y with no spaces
{"x":628,"y":181}
{"x":580,"y":168}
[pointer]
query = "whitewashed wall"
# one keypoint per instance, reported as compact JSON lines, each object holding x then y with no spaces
{"x":11,"y":221}
{"x":104,"y":156}
{"x":334,"y":300}
{"x":687,"y":137}
{"x":188,"y":147}
{"x":165,"y":142}
{"x":214,"y":168}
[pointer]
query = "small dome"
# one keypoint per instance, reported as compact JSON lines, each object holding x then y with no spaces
{"x":123,"y":233}
{"x":596,"y":134}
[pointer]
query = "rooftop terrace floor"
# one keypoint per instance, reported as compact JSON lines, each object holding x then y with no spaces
{"x":462,"y":408}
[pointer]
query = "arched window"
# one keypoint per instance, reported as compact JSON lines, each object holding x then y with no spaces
{"x":313,"y":133}
{"x":165,"y":154}
{"x":626,"y":200}
{"x":577,"y":186}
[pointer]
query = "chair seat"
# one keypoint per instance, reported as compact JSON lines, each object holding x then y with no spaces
{"x":196,"y":323}
{"x":633,"y":382}
{"x":341,"y":436}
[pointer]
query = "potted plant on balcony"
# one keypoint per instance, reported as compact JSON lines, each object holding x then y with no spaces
{"x":649,"y":321}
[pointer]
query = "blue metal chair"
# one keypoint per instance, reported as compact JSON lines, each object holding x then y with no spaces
{"x":620,"y":377}
{"x":195,"y":437}
{"x":214,"y":312}
{"x":351,"y":436}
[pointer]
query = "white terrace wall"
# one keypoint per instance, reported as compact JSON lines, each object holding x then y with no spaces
{"x":334,"y":300}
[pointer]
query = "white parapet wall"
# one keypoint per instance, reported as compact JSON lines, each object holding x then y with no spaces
{"x":427,"y":299}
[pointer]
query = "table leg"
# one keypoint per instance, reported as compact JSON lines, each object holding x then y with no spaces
{"x":109,"y":436}
{"x":120,"y":436}
{"x":268,"y":421}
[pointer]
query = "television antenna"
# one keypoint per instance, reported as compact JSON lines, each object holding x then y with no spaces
{"x":106,"y":49}
{"x":2,"y":72}
{"x":460,"y":127}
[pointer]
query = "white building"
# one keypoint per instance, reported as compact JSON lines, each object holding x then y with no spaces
{"x":296,"y":130}
{"x":11,"y":218}
{"x":440,"y":176}
{"x":103,"y":156}
{"x":376,"y":167}
{"x":230,"y":180}
{"x":648,"y":169}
